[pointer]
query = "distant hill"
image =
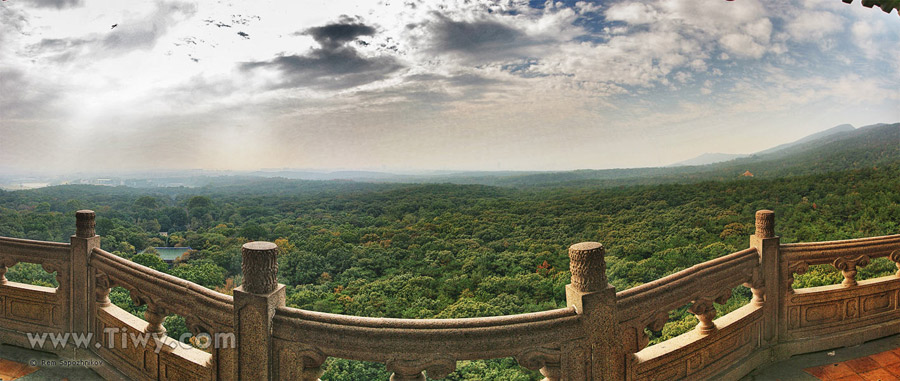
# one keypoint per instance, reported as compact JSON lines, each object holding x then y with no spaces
{"x":712,"y":158}
{"x":839,"y":149}
{"x":836,"y":130}
{"x":709,"y":158}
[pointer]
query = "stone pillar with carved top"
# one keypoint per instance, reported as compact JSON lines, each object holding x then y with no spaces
{"x":254,"y":307}
{"x":82,"y":281}
{"x":602,"y":356}
{"x":767,"y":290}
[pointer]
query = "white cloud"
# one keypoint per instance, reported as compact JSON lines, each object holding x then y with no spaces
{"x":866,"y":36}
{"x":808,"y":26}
{"x":556,"y":74}
{"x":632,"y":13}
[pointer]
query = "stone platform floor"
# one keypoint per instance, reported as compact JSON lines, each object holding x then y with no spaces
{"x":29,"y":365}
{"x":874,"y":360}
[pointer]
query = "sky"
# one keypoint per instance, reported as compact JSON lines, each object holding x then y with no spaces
{"x":398,"y":85}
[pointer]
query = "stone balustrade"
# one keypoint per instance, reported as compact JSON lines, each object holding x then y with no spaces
{"x":601,"y":335}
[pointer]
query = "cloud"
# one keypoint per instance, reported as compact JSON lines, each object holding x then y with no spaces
{"x":481,"y":41}
{"x":742,"y":45}
{"x":22,"y":97}
{"x":58,"y":4}
{"x":11,"y":25}
{"x":143,"y":33}
{"x":632,"y":13}
{"x":335,"y":65}
{"x":333,"y":36}
{"x":137,"y":33}
{"x":808,"y":26}
{"x":866,"y":36}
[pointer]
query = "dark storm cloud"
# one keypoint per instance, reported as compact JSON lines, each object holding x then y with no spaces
{"x":334,"y":35}
{"x":480,"y":40}
{"x":58,"y":4}
{"x":474,"y":36}
{"x":335,"y":65}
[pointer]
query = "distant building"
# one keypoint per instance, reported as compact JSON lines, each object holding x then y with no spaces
{"x":747,"y":174}
{"x":170,"y":254}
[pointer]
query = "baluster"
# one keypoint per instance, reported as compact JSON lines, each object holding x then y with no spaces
{"x":551,"y":372}
{"x":420,"y":376}
{"x":5,"y":264}
{"x":757,"y":287}
{"x":849,"y":267}
{"x":704,"y":310}
{"x":154,"y":317}
{"x":758,"y":296}
{"x":311,"y":373}
{"x":101,"y":291}
{"x":437,"y":367}
{"x":895,"y":257}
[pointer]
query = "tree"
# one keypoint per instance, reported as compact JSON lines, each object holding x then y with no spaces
{"x":151,"y":259}
{"x":205,"y":274}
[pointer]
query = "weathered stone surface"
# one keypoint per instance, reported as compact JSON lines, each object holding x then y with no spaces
{"x":84,"y":224}
{"x":765,"y":224}
{"x":260,"y":267}
{"x":587,"y":265}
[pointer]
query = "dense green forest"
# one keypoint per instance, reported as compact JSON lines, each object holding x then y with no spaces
{"x":445,"y":250}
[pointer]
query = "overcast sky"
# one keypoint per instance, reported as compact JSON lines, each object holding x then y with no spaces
{"x":406,"y":84}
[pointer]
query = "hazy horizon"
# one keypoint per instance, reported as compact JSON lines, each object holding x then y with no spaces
{"x":427,"y":86}
{"x":180,"y":172}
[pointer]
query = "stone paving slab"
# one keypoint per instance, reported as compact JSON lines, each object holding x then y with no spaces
{"x":874,"y":360}
{"x":45,"y":366}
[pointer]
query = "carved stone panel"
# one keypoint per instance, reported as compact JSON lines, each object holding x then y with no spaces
{"x":839,"y":308}
{"x":702,"y":356}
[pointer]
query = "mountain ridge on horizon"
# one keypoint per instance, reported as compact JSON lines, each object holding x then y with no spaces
{"x":760,"y":161}
{"x":718,"y":157}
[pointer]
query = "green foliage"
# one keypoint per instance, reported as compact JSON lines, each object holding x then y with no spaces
{"x":497,"y":369}
{"x":451,"y":251}
{"x":151,"y":260}
{"x":31,"y":273}
{"x":206,"y":274}
{"x":347,"y":370}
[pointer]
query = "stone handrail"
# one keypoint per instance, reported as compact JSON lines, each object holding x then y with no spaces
{"x":27,"y":308}
{"x":14,"y":250}
{"x":171,"y":293}
{"x":410,"y":346}
{"x":681,"y":288}
{"x":827,"y":251}
{"x":600,"y":335}
{"x":647,"y":306}
{"x":204,"y":310}
{"x":847,"y":255}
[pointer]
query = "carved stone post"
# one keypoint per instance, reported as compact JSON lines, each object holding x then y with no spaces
{"x":81,"y":282}
{"x":769,"y":291}
{"x":602,"y":357}
{"x":254,"y":307}
{"x":155,"y":317}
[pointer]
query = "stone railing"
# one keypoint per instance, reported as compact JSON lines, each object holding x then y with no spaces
{"x":601,"y":335}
